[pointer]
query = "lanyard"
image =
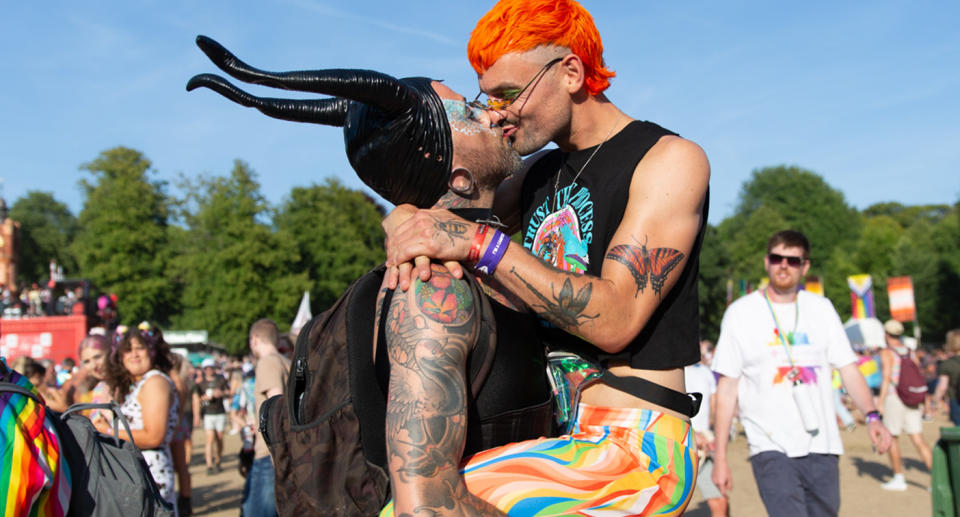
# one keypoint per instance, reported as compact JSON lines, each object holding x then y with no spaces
{"x":780,"y":333}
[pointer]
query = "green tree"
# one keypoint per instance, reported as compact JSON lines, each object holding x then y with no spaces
{"x":928,"y":253}
{"x":337,"y":232}
{"x":714,"y":272}
{"x":805,"y":202}
{"x":122,"y":242}
{"x":232,"y":267}
{"x":46,"y":230}
{"x":787,"y":197}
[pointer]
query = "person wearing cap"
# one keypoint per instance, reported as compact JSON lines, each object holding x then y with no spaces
{"x":414,"y":140}
{"x":897,"y":416}
{"x":776,"y":352}
{"x":209,"y":396}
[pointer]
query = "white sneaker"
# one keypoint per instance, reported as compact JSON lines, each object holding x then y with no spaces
{"x":897,"y":483}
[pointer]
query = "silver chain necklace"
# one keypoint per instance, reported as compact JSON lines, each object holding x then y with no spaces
{"x":556,"y":183}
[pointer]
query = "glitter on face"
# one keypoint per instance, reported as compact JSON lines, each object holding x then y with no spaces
{"x":465,"y":119}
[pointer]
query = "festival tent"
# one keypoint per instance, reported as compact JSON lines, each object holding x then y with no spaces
{"x":865,"y":332}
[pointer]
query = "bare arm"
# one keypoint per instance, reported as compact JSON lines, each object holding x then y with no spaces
{"x":662,"y":218}
{"x":430,"y":330}
{"x":886,"y":368}
{"x":859,"y":392}
{"x":157,"y":395}
{"x":726,"y":403}
{"x":196,"y":408}
{"x":943,"y":382}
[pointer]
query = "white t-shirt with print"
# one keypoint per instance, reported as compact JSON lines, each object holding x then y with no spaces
{"x":699,"y":379}
{"x":750,"y":349}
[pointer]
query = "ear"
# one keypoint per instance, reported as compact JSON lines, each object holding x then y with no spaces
{"x":573,"y":72}
{"x":806,"y":267}
{"x":462,"y":182}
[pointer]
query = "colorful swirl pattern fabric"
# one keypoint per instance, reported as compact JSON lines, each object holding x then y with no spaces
{"x":33,"y":473}
{"x":619,"y":461}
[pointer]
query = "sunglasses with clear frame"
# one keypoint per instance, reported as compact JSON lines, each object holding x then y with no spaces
{"x":510,"y":96}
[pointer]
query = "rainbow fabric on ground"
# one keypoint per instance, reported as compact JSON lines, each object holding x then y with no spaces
{"x":33,"y":472}
{"x":619,"y":461}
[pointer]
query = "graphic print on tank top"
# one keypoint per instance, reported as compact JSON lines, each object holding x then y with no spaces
{"x":560,"y":233}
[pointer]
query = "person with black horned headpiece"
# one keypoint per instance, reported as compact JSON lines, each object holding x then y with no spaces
{"x":416,"y":141}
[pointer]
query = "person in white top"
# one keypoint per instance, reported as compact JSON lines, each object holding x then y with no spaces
{"x":897,"y":416}
{"x":699,"y":379}
{"x":776,"y":349}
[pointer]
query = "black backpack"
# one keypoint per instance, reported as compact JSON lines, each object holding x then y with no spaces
{"x":109,"y":476}
{"x":326,"y":433}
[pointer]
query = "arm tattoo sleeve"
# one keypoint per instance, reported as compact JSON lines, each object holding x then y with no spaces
{"x":429,"y":333}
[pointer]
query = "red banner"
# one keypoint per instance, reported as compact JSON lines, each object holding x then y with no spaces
{"x":54,"y":337}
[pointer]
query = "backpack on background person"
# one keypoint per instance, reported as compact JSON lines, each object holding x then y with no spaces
{"x":912,"y":385}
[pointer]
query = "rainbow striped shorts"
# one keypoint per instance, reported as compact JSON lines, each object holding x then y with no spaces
{"x":618,"y":461}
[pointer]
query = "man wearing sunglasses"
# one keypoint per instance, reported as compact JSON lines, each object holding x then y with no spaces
{"x":611,"y":227}
{"x":776,"y":353}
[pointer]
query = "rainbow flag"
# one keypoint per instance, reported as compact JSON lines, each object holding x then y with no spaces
{"x":861,"y":296}
{"x":34,"y":475}
{"x":900,"y":291}
{"x":813,"y":285}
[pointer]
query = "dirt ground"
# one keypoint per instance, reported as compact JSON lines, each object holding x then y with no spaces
{"x":861,"y":473}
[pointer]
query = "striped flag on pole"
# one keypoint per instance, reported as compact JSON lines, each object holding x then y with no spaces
{"x":900,"y":290}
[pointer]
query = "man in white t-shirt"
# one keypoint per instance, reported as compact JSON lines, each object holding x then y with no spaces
{"x":700,"y":379}
{"x":775,"y":353}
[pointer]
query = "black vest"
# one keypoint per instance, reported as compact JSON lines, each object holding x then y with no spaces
{"x":573,"y":229}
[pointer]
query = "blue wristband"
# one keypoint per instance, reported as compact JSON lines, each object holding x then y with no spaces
{"x":495,"y":251}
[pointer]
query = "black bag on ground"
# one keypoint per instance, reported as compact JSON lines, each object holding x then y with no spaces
{"x":110,"y":475}
{"x":326,"y":433}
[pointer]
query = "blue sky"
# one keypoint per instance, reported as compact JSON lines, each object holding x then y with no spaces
{"x":863,"y":93}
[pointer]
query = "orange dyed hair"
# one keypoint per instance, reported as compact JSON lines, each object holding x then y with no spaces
{"x":522,"y":25}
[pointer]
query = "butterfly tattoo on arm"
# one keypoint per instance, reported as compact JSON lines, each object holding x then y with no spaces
{"x":644,"y":264}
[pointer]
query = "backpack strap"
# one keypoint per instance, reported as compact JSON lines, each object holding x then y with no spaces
{"x":118,"y":417}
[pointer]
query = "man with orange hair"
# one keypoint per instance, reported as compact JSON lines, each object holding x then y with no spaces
{"x":611,"y":226}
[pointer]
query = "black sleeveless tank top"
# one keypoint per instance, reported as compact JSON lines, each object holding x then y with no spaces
{"x":570,"y":225}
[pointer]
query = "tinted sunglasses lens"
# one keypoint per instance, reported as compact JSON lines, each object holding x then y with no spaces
{"x":791,"y":261}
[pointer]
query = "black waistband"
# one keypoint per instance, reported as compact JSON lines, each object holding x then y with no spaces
{"x":687,"y":404}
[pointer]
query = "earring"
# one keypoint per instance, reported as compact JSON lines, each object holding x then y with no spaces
{"x":455,"y":185}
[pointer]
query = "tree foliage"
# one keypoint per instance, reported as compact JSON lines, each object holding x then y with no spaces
{"x":122,"y":245}
{"x":46,"y":230}
{"x":228,"y":258}
{"x":232,"y":267}
{"x":337,"y":233}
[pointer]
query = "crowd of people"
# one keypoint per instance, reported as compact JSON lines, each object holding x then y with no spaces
{"x":163,"y":397}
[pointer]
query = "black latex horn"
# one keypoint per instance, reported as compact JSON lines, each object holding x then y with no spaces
{"x":396,"y":132}
{"x":330,"y":112}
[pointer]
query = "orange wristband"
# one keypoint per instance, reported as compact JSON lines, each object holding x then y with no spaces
{"x":478,"y":239}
